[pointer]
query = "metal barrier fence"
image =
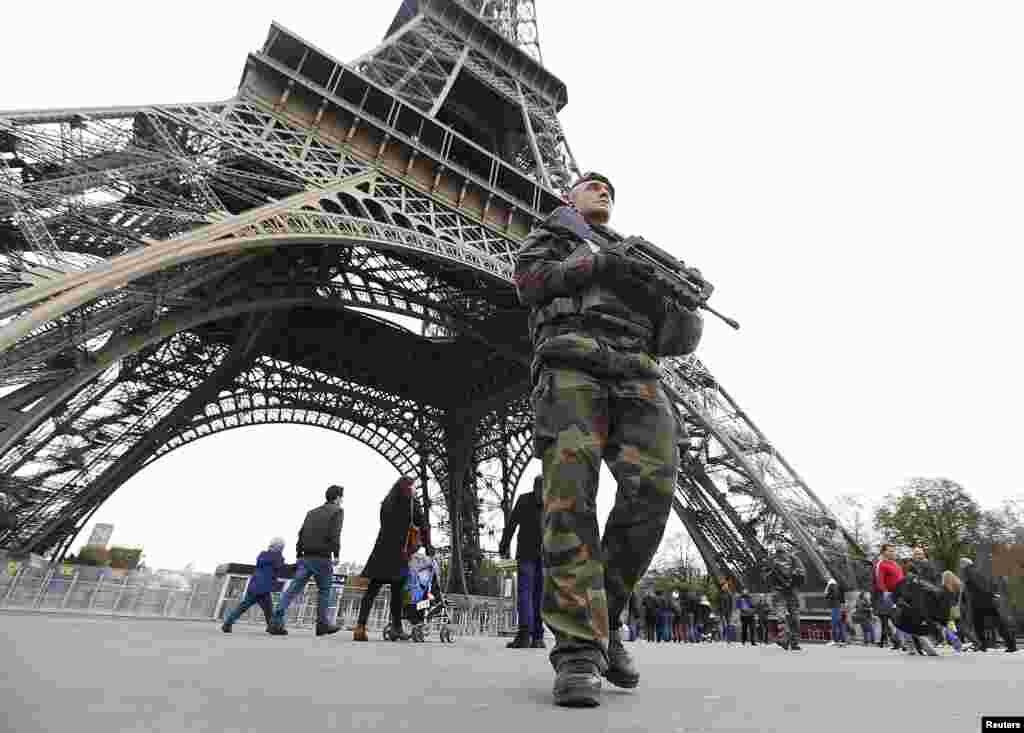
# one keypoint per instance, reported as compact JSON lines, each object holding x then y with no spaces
{"x":95,"y":591}
{"x":91,"y":591}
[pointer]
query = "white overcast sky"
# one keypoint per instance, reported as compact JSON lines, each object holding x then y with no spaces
{"x":848,"y":175}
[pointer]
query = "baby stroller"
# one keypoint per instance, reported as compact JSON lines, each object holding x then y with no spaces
{"x":425,"y":607}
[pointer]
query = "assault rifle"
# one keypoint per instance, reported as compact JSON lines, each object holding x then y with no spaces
{"x":685,"y":284}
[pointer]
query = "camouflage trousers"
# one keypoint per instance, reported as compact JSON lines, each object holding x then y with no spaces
{"x":787,"y":608}
{"x":580,"y":420}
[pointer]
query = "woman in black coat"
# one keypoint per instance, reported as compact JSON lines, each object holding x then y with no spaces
{"x":391,"y":554}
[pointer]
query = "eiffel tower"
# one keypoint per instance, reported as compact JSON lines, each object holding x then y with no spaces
{"x":173,"y":271}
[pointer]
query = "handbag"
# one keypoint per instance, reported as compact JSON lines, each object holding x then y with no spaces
{"x":412,"y":534}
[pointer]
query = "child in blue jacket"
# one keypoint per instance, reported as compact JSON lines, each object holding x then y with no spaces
{"x":261,"y":585}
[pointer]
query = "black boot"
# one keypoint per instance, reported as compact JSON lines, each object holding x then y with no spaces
{"x":521,"y":641}
{"x":325,"y":629}
{"x":226,"y":628}
{"x":538,"y":644}
{"x":277,"y":630}
{"x":621,"y":671}
{"x":577,"y":684}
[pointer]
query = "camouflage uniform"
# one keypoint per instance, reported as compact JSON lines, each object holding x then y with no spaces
{"x":786,"y":568}
{"x":596,"y":396}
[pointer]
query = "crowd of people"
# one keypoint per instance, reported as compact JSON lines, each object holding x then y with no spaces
{"x":914,"y":607}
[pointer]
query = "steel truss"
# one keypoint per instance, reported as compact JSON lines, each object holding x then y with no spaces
{"x":173,"y":271}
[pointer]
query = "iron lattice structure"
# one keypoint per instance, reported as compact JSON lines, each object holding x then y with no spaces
{"x":170,"y":272}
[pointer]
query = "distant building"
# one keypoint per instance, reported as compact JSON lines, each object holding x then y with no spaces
{"x":101,"y":534}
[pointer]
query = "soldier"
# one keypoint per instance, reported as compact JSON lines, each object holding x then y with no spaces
{"x":529,"y":569}
{"x":786,"y":573}
{"x":598,"y":322}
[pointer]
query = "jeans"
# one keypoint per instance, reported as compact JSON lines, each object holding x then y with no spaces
{"x":664,"y":627}
{"x":838,"y":627}
{"x":530,"y":592}
{"x":322,"y":570}
{"x":869,"y":633}
{"x":263,"y":599}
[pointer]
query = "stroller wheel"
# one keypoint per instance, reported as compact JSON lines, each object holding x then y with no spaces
{"x":386,"y":634}
{"x":417,"y":634}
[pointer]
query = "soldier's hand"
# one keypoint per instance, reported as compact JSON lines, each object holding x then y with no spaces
{"x":616,"y":266}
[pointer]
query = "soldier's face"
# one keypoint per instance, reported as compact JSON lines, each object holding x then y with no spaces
{"x":593,"y":200}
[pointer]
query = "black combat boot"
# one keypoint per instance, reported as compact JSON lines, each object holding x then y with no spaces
{"x":521,"y":641}
{"x":621,"y":671}
{"x":325,"y":629}
{"x":577,"y":684}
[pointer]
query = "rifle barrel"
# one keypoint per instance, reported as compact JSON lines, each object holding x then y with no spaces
{"x":728,"y":320}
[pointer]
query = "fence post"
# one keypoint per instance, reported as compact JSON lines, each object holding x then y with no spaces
{"x":217,"y":607}
{"x":14,"y":583}
{"x":71,"y":587}
{"x":120,"y":593}
{"x":96,"y":590}
{"x":42,"y":589}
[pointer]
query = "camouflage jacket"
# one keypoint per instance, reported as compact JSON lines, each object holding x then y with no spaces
{"x":787,"y":573}
{"x":577,"y":319}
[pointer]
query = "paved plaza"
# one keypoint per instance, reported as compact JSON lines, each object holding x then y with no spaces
{"x":87,"y":673}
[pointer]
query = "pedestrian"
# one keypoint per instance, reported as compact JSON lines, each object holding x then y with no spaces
{"x":664,"y":616}
{"x":651,"y":617}
{"x":598,"y":321}
{"x":786,"y":574}
{"x":634,"y":613}
{"x":677,"y":616}
{"x":745,"y":604}
{"x":762,"y":610}
{"x":835,"y":598}
{"x":890,"y":575}
{"x":726,"y":604}
{"x":985,"y":604}
{"x":261,"y":585}
{"x":862,"y":616}
{"x":6,"y":513}
{"x":526,"y":516}
{"x":316,"y":553}
{"x":886,"y":558}
{"x":403,"y":527}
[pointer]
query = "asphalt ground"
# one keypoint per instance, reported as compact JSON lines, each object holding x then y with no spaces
{"x":84,"y":674}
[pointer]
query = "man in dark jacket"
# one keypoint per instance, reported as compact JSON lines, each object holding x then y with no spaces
{"x":530,"y":571}
{"x":745,"y":604}
{"x":268,"y":565}
{"x":317,"y":550}
{"x":984,"y":603}
{"x":598,"y":322}
{"x":726,"y":605}
{"x":835,"y":596}
{"x":763,"y":611}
